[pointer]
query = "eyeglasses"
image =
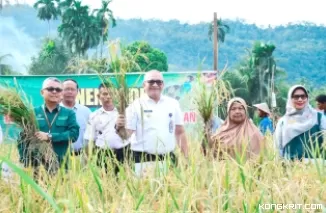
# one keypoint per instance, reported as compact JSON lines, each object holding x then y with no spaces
{"x":152,"y":82}
{"x":296,"y":97}
{"x":52,"y":89}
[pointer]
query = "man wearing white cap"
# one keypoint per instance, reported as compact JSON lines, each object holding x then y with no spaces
{"x":266,"y":123}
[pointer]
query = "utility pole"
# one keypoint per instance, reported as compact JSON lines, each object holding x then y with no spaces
{"x":215,"y":48}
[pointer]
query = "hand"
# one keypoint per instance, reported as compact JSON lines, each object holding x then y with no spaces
{"x":43,"y":136}
{"x":121,"y":122}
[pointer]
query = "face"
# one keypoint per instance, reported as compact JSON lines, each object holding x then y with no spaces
{"x":105,"y":96}
{"x":321,"y":106}
{"x":52,"y":92}
{"x":299,"y":99}
{"x":154,"y":85}
{"x":237,"y":113}
{"x":260,"y":113}
{"x":70,"y":91}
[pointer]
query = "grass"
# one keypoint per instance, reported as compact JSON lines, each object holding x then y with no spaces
{"x":199,"y":185}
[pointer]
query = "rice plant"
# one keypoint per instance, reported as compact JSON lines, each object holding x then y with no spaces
{"x":15,"y":104}
{"x":209,"y":99}
{"x":119,"y":63}
{"x":204,"y":185}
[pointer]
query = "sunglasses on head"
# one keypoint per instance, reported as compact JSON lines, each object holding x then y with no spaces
{"x":296,"y":97}
{"x":152,"y":82}
{"x":52,"y":89}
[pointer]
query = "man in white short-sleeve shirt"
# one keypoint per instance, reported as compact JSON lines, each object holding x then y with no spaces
{"x":155,"y":122}
{"x":101,"y":130}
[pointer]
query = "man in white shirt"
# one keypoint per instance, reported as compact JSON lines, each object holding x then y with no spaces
{"x":101,"y":130}
{"x":70,"y":92}
{"x":155,"y":123}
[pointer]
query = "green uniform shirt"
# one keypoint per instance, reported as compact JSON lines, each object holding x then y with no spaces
{"x":64,"y":129}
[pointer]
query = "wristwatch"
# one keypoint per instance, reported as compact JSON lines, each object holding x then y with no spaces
{"x":50,"y":136}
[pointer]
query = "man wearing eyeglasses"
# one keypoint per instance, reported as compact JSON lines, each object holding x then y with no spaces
{"x":155,"y":123}
{"x":57,"y":126}
{"x":70,"y":92}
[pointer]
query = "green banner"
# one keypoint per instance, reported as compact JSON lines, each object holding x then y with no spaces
{"x":176,"y":85}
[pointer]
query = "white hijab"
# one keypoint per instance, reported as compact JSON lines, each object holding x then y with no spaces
{"x":295,"y":122}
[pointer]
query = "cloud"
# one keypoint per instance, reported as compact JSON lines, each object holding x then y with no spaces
{"x":16,"y":42}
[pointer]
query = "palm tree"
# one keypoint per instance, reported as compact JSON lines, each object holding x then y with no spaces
{"x":47,"y":10}
{"x":105,"y":16}
{"x":263,"y":62}
{"x":252,"y":80}
{"x":222,"y":30}
{"x":79,"y":30}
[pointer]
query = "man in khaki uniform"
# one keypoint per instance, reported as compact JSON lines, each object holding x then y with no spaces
{"x":101,"y":130}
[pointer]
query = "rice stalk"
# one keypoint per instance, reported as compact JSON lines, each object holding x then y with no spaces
{"x":120,"y":64}
{"x":15,"y":104}
{"x":207,"y":100}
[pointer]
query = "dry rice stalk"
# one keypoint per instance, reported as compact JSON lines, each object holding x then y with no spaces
{"x":120,"y":64}
{"x":209,"y":99}
{"x":16,"y":105}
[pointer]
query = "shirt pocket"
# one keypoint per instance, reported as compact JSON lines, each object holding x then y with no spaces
{"x":60,"y":126}
{"x":42,"y":124}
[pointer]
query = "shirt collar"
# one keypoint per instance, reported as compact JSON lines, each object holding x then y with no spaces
{"x":56,"y":109}
{"x":147,"y":98}
{"x":102,"y":110}
{"x":75,"y":107}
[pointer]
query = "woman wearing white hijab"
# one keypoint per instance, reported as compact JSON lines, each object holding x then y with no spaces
{"x":297,"y":133}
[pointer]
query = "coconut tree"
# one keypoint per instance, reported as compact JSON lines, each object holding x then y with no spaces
{"x":105,"y":17}
{"x":222,"y":30}
{"x":47,"y":10}
{"x":79,"y":30}
{"x":263,"y":62}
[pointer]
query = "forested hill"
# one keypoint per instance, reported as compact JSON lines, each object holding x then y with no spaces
{"x":300,"y":49}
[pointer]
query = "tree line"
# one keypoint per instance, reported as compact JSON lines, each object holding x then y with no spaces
{"x":81,"y":38}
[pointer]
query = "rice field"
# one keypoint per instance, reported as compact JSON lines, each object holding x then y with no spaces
{"x":198,"y":184}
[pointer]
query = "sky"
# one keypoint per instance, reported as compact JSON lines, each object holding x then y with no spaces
{"x":260,"y":12}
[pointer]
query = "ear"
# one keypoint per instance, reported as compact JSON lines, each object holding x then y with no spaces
{"x":42,"y":92}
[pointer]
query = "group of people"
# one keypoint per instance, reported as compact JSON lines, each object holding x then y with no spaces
{"x":298,"y":134}
{"x":154,"y":126}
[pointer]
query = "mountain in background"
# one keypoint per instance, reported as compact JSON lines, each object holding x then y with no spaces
{"x":300,"y":49}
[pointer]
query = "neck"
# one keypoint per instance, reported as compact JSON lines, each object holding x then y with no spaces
{"x":155,"y":98}
{"x":69,"y":104}
{"x":108,"y":107}
{"x":51,"y":105}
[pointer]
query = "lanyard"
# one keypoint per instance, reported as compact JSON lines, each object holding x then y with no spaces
{"x":47,"y":120}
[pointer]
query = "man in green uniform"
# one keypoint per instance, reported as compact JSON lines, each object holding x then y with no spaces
{"x":57,"y":126}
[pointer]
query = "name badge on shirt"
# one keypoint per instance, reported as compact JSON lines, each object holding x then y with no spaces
{"x":148,"y":112}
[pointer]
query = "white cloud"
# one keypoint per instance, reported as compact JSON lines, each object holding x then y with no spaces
{"x":261,"y":12}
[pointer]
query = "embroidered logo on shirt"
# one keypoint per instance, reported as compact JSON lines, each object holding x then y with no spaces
{"x":62,"y":117}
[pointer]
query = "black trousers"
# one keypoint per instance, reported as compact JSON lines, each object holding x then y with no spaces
{"x":139,"y":157}
{"x":116,"y":156}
